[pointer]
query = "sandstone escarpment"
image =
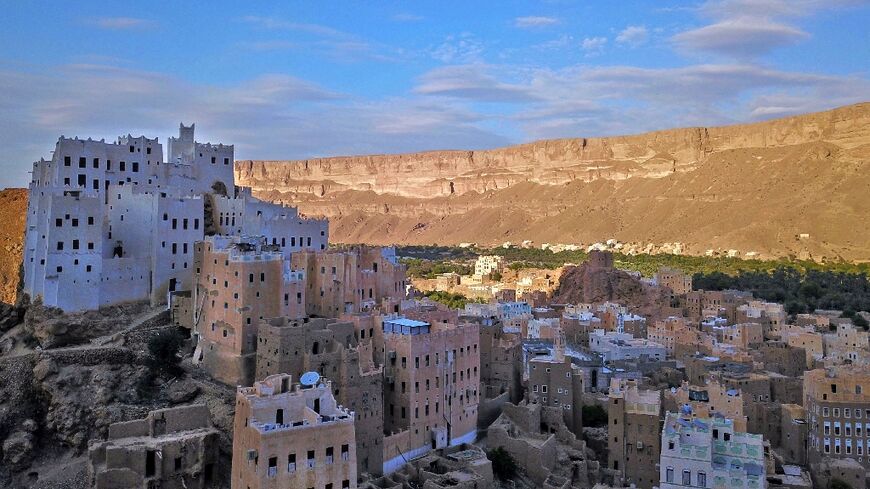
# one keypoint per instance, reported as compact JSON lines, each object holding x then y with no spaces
{"x":793,"y":186}
{"x":550,"y":162}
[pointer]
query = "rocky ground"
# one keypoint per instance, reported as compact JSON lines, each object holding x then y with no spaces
{"x":69,"y":377}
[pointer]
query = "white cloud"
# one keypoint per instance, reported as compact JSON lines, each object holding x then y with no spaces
{"x":275,"y":23}
{"x":633,"y":35}
{"x":743,"y":38}
{"x":748,"y":29}
{"x":471,"y":82}
{"x":462,"y":48}
{"x":320,"y":40}
{"x":593,"y":45}
{"x":772,"y":8}
{"x":270,"y":116}
{"x":534,"y":21}
{"x":121,"y":23}
{"x":609,"y":100}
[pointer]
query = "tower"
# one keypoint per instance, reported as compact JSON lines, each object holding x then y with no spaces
{"x":182,"y":149}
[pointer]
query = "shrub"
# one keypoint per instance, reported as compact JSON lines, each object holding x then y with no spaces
{"x":504,"y":467}
{"x":837,"y":483}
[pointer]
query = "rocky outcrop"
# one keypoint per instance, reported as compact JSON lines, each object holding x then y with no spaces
{"x":788,"y":186}
{"x":590,"y":284}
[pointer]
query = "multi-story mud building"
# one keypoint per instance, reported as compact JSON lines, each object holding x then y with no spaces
{"x":349,"y":281}
{"x":837,"y":406}
{"x":115,"y":222}
{"x":702,"y":452}
{"x":330,"y":347}
{"x":431,"y":385}
{"x":633,"y":429}
{"x":554,"y":381}
{"x":292,"y":435}
{"x":239,"y":282}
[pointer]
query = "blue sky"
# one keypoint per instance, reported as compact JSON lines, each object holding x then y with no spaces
{"x":292,"y":79}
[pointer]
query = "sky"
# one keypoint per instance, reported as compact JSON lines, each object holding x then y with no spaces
{"x":299,"y":79}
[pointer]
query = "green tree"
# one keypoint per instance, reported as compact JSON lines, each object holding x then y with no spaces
{"x":594,"y":415}
{"x":163,"y":348}
{"x":504,"y":467}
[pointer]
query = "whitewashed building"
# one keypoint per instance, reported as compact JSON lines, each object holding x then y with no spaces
{"x":115,"y":222}
{"x":709,"y":453}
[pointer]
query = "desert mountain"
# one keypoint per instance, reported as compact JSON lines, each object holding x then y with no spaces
{"x":759,"y":187}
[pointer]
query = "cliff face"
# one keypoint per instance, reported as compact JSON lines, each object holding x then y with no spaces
{"x":755,"y":187}
{"x":13,"y":214}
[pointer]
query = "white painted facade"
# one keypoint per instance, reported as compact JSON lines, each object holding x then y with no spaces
{"x":708,"y":453}
{"x":113,"y":222}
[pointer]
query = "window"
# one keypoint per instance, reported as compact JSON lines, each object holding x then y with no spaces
{"x":687,"y":478}
{"x":60,"y":246}
{"x":669,"y":475}
{"x":702,"y":479}
{"x":83,"y":162}
{"x":66,"y":161}
{"x":135,"y":167}
{"x":58,"y":222}
{"x":96,"y":162}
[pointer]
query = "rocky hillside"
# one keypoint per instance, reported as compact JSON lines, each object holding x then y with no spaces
{"x":789,"y":186}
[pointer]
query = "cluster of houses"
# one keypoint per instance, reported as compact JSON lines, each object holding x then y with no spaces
{"x":345,"y":379}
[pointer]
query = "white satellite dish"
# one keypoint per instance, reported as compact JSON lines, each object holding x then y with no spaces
{"x":309,"y":378}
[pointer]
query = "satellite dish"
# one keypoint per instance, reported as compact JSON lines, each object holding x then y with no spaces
{"x":309,"y":378}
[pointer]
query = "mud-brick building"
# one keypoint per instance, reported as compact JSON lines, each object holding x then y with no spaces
{"x":291,"y":435}
{"x":174,"y":448}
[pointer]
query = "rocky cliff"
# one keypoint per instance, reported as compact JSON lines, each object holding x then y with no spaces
{"x":13,"y":214}
{"x":789,"y":186}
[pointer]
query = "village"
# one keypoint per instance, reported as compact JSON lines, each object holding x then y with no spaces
{"x":346,"y":376}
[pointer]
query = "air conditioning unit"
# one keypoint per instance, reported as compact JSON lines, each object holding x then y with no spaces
{"x":640,"y":445}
